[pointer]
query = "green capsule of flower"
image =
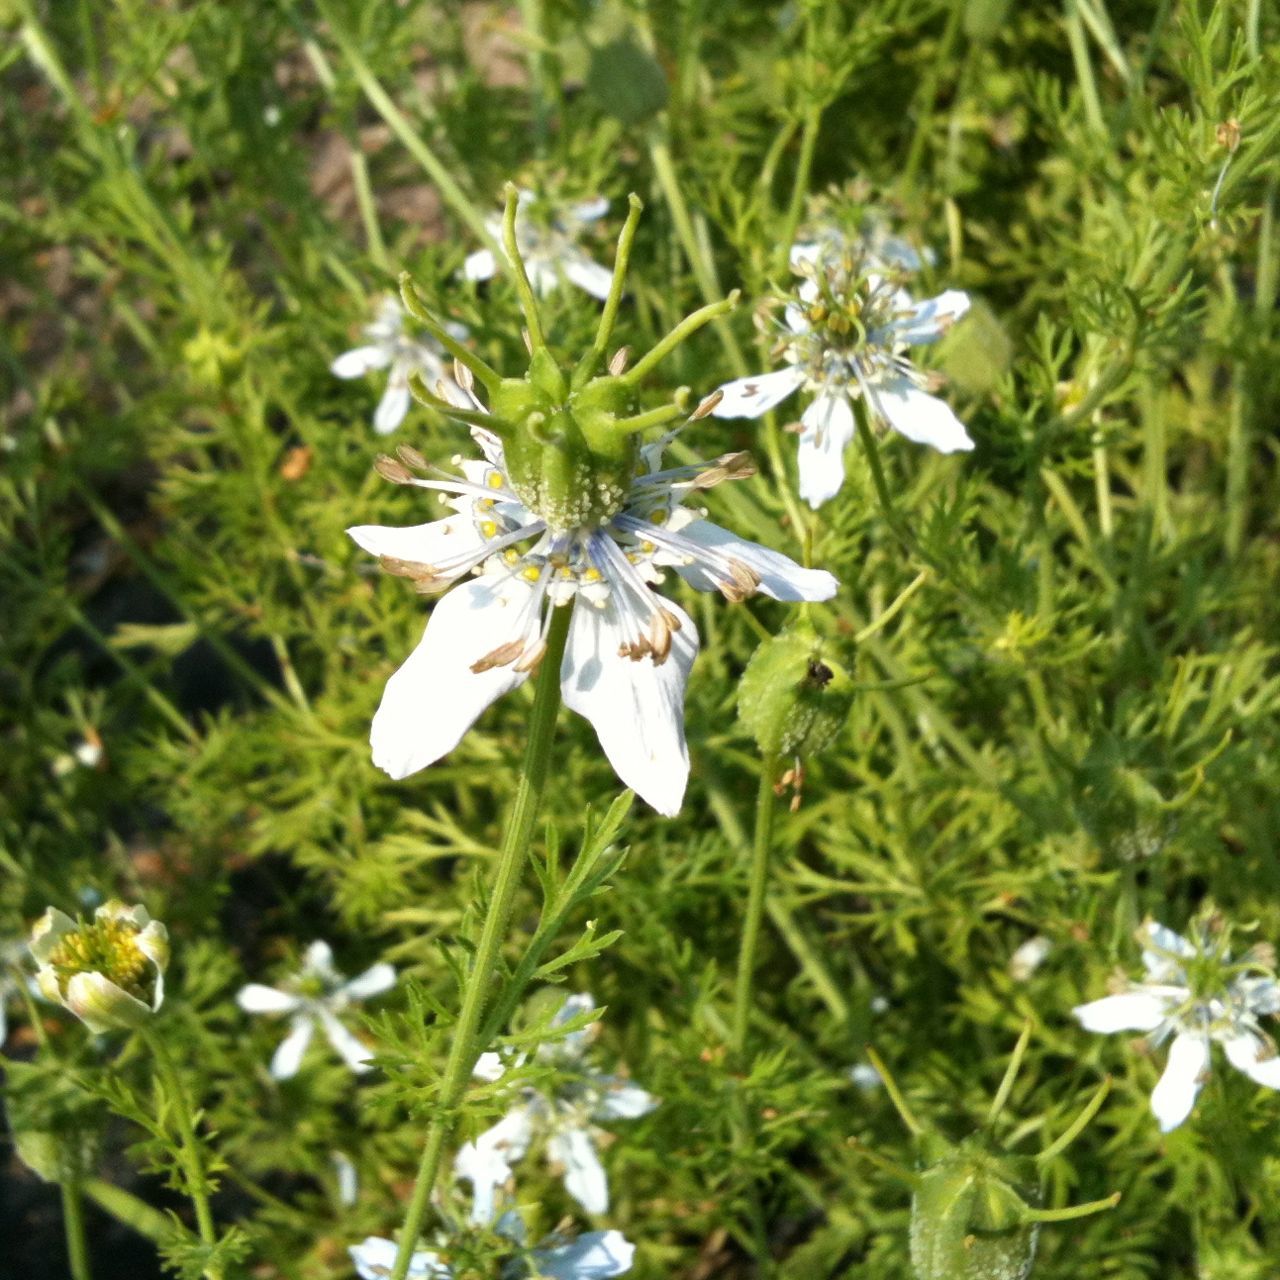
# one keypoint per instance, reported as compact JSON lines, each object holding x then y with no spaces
{"x":795,"y":696}
{"x":976,"y":1206}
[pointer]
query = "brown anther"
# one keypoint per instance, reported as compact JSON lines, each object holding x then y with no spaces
{"x":746,"y":577}
{"x":673,"y":622}
{"x":389,"y":469}
{"x":659,"y":638}
{"x":707,"y":405}
{"x":528,"y":341}
{"x":732,"y":593}
{"x":414,"y":569}
{"x":532,"y":657}
{"x":462,"y":375}
{"x":618,"y":361}
{"x":502,"y":656}
{"x":729,"y":466}
{"x":1228,"y":134}
{"x":431,"y":585}
{"x":411,"y":457}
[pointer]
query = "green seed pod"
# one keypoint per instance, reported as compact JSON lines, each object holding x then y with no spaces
{"x":975,"y":1206}
{"x":794,"y":697}
{"x":968,"y":1213}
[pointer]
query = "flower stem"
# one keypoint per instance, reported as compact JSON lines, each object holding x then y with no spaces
{"x":193,"y":1166}
{"x":800,"y":187}
{"x":466,"y":1047}
{"x":760,"y":848}
{"x":73,"y":1226}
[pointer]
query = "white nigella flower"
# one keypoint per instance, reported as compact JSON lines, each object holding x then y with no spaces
{"x":629,"y":650}
{"x":847,"y":329}
{"x":548,"y":241}
{"x":1196,"y":994}
{"x":565,"y":1119}
{"x":390,"y":348}
{"x":315,"y":997}
{"x":594,"y":1255}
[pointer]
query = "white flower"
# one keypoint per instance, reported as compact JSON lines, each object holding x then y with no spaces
{"x":109,"y":971}
{"x":547,"y":239}
{"x":390,"y":348}
{"x":316,"y":996}
{"x":565,"y":1120}
{"x":865,"y":1076}
{"x":1195,"y":994}
{"x":847,"y":329}
{"x":629,"y":650}
{"x":595,"y":1255}
{"x":1029,"y":956}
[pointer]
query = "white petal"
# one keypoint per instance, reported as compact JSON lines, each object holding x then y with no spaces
{"x":372,"y":982}
{"x":354,"y":1052}
{"x":480,"y":265}
{"x":1133,"y":1011}
{"x":374,"y":1259}
{"x":1161,"y":950}
{"x":827,"y":429}
{"x":593,"y":1256}
{"x":780,"y":576}
{"x":435,"y":697}
{"x":255,"y":998}
{"x":584,"y":1176}
{"x":932,"y":318}
{"x":486,"y":1162}
{"x":433,"y":543}
{"x":751,"y":397}
{"x":1251,"y":1054}
{"x":623,"y":1100}
{"x":318,"y":959}
{"x":636,"y":707}
{"x":392,"y":407}
{"x":589,"y":210}
{"x":1175,"y":1095}
{"x":348,"y":1178}
{"x":919,"y":416}
{"x":288,"y":1057}
{"x":544,"y":276}
{"x":490,"y":1067}
{"x":351,"y":364}
{"x":588,"y":275}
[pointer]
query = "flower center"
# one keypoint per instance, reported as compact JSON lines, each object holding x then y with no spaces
{"x":108,"y":947}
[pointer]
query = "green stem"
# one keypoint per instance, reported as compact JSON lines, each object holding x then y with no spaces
{"x":437,"y":171}
{"x":800,"y":187}
{"x":73,"y":1226}
{"x":524,"y":290}
{"x":929,"y":96}
{"x":608,"y":317}
{"x":761,"y":845}
{"x":125,"y":1207}
{"x":1084,"y":68}
{"x":466,"y":1048}
{"x":689,"y":325}
{"x":197,"y":1183}
{"x":665,"y":171}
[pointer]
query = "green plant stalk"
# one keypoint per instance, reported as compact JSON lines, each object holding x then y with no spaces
{"x":1084,"y":67}
{"x":437,"y":171}
{"x":125,"y":1207}
{"x":761,"y":845}
{"x":466,"y":1046}
{"x":800,"y":187}
{"x":73,"y":1228}
{"x":928,"y":97}
{"x":664,"y":170}
{"x":197,"y":1188}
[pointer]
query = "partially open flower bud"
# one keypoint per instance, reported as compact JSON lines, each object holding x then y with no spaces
{"x":794,"y":697}
{"x":108,"y":972}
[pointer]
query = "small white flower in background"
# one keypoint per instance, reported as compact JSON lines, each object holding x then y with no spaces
{"x":847,"y":329}
{"x":865,"y":1076}
{"x":348,"y":1181}
{"x":13,"y":978}
{"x":629,"y":650}
{"x":316,"y":996}
{"x":594,"y":1255}
{"x":547,"y":238}
{"x":1028,"y":957}
{"x":1194,"y":993}
{"x":565,"y":1120}
{"x":109,"y":971}
{"x":389,"y":347}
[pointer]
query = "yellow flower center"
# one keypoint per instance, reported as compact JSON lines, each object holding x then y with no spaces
{"x":108,"y":947}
